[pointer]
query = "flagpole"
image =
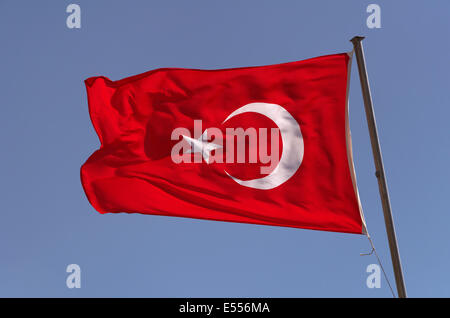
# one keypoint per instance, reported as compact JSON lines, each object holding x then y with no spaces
{"x":376,"y":150}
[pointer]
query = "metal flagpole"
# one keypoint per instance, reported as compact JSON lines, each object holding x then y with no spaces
{"x":382,"y":185}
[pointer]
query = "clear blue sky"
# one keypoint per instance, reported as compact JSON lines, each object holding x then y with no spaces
{"x":46,"y":135}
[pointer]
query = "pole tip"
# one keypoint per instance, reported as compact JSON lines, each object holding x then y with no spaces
{"x":355,"y":40}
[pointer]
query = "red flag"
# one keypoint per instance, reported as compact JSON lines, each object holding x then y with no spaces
{"x":266,"y":145}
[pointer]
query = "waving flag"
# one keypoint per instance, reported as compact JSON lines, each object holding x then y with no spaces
{"x":266,"y":145}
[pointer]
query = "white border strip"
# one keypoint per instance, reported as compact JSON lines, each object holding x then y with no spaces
{"x":348,"y":136}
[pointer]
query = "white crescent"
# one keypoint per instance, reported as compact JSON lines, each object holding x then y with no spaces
{"x":293,"y":148}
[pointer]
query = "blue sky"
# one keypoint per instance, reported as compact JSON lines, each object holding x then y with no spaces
{"x":46,"y":135}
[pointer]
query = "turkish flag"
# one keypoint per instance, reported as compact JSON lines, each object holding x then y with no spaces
{"x":266,"y":145}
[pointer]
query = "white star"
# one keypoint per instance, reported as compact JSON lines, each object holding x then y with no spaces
{"x":201,"y":145}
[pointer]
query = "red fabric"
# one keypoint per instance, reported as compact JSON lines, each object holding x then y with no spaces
{"x":134,"y":118}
